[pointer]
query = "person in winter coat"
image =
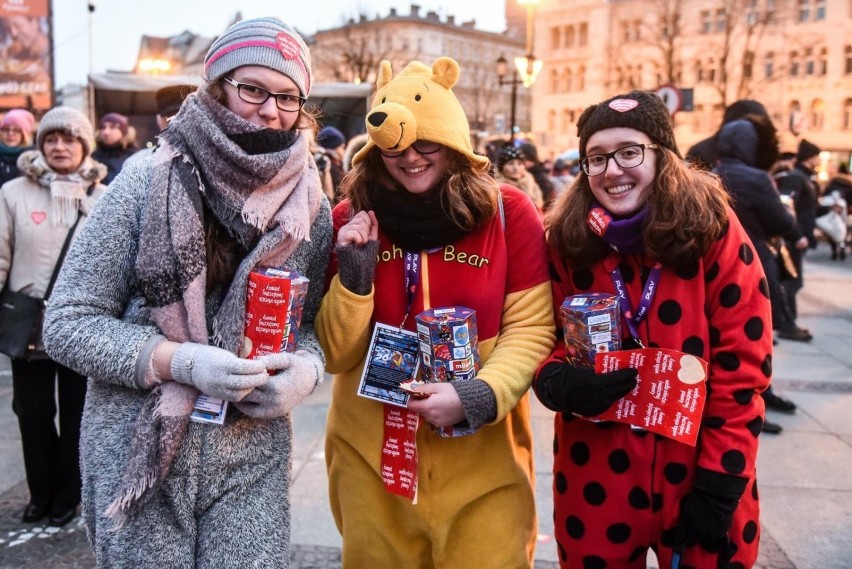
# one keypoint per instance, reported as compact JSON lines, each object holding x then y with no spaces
{"x":511,"y":170}
{"x":16,"y":136}
{"x":538,"y":171}
{"x":422,"y":217}
{"x":59,"y":186}
{"x":232,"y":187}
{"x":640,"y":220}
{"x":705,"y":153}
{"x":116,"y":143}
{"x":800,"y":184}
{"x":839,"y":191}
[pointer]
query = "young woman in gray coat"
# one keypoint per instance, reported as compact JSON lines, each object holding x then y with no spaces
{"x":151,"y":307}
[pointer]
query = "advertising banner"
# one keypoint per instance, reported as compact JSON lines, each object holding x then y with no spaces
{"x":26,"y":80}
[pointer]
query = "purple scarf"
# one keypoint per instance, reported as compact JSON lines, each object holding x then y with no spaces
{"x":623,"y":235}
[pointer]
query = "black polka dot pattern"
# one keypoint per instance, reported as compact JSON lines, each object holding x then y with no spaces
{"x":638,"y":553}
{"x":730,"y":295}
{"x":693,"y":345}
{"x":746,"y":254}
{"x":750,"y":532}
{"x":560,"y":483}
{"x":711,"y":273}
{"x":763,"y":287}
{"x":754,"y":328}
{"x":656,"y":502}
{"x":575,"y":527}
{"x":713,"y":422}
{"x":594,"y":562}
{"x":743,"y":396}
{"x":583,"y":279}
{"x":755,"y":426}
{"x":594,"y":493}
{"x":729,"y":361}
{"x":619,"y":461}
{"x":580,"y":453}
{"x":675,"y":472}
{"x":733,"y":461}
{"x":669,"y":312}
{"x":638,"y":499}
{"x":766,"y":366}
{"x":715,"y":336}
{"x":618,"y":533}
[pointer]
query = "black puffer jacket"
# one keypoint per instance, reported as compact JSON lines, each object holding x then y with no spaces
{"x":756,"y":201}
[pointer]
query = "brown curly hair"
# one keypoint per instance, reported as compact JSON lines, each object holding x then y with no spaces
{"x":687,"y":213}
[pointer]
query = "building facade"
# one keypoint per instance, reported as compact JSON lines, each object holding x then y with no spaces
{"x":353,"y":52}
{"x":794,"y":56}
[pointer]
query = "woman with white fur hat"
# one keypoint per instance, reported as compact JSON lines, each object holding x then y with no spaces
{"x":232,"y":186}
{"x":54,"y":196}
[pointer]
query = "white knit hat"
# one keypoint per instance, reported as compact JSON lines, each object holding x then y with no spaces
{"x":267,"y":42}
{"x":71,"y":121}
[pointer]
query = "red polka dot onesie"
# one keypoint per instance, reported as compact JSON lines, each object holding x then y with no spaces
{"x":617,"y":489}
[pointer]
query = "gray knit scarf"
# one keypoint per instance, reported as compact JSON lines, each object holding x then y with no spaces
{"x":269,"y":198}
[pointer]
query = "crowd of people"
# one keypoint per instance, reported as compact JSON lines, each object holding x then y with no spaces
{"x":703,"y":252}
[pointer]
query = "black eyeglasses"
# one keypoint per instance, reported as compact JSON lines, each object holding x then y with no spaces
{"x":258,"y":95}
{"x":625,"y":157}
{"x":421,"y":146}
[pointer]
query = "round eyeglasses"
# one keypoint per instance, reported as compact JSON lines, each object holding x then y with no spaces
{"x":421,"y":146}
{"x":258,"y":95}
{"x":625,"y":157}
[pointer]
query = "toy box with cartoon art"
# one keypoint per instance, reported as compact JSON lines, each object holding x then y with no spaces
{"x":591,"y":324}
{"x":274,"y":305}
{"x":449,"y":351}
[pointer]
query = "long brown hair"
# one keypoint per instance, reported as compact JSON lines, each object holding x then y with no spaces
{"x":687,"y":213}
{"x":467,"y":192}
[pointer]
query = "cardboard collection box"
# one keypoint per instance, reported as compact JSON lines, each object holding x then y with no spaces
{"x":275,"y":302}
{"x":449,"y":351}
{"x":591,"y":324}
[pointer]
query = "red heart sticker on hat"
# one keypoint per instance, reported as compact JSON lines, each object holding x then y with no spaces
{"x":288,"y":46}
{"x":38,"y":216}
{"x":623,"y":105}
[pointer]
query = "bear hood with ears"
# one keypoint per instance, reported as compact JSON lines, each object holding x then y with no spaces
{"x":418,"y":104}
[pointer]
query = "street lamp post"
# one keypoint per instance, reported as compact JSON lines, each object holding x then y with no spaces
{"x":502,"y":68}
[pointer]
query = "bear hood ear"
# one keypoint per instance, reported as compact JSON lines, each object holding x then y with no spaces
{"x":385,"y":74}
{"x":445,"y":72}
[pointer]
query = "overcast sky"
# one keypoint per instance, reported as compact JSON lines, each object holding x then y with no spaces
{"x":118,"y":25}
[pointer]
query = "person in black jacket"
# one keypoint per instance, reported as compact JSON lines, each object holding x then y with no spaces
{"x":800,"y":184}
{"x":705,"y":153}
{"x":746,"y":147}
{"x":539,"y":173}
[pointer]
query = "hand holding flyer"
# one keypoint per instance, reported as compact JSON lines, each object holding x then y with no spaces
{"x":669,"y":395}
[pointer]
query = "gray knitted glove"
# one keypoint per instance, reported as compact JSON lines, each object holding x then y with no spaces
{"x":216,"y":372}
{"x":301,"y":373}
{"x":357,"y":266}
{"x":478,"y":401}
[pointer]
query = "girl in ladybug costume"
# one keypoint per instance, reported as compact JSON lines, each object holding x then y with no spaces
{"x":640,"y":220}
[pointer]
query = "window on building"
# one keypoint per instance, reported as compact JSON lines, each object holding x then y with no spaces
{"x":706,"y":22}
{"x":699,"y":71}
{"x":711,"y":70}
{"x":551,"y":120}
{"x":847,"y":114}
{"x":583,"y":36}
{"x":569,"y":80}
{"x":819,"y":10}
{"x":721,"y":20}
{"x":809,"y":61}
{"x":625,"y":32}
{"x":823,"y":61}
{"x":678,"y":72}
{"x":555,"y":37}
{"x":748,"y":64}
{"x":794,"y":64}
{"x":817,"y":114}
{"x":768,"y":65}
{"x":751,"y":13}
{"x":804,"y":10}
{"x":637,"y":30}
{"x":848,"y":66}
{"x":567,"y":120}
{"x":554,"y":81}
{"x":637,"y":78}
{"x":568,"y":36}
{"x":796,"y":120}
{"x":580,"y":79}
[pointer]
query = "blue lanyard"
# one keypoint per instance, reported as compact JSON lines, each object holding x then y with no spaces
{"x":631,"y":319}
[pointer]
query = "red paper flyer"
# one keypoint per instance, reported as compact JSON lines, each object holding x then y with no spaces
{"x":669,"y":395}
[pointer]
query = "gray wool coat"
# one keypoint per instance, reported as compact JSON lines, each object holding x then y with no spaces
{"x":226,"y":500}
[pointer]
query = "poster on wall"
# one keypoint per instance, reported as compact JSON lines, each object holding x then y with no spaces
{"x":26,"y":78}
